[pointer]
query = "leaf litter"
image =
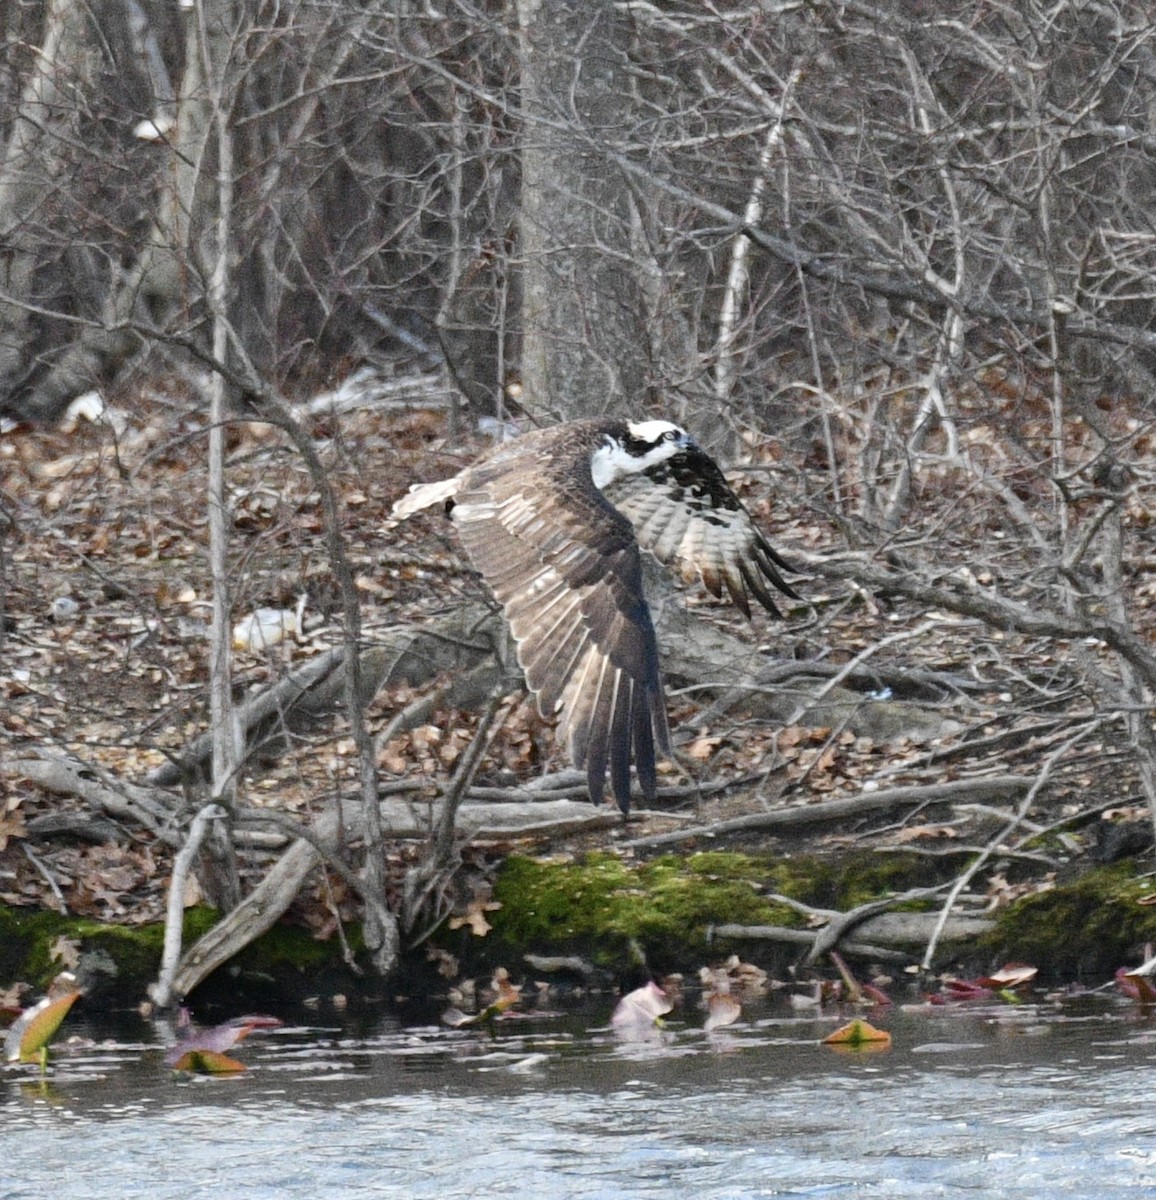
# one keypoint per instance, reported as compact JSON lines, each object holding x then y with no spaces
{"x":106,"y":619}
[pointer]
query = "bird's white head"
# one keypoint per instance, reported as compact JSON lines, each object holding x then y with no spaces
{"x":642,"y":445}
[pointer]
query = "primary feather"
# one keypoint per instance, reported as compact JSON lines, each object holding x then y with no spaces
{"x":554,"y":521}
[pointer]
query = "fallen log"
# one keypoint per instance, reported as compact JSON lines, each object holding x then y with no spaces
{"x":260,"y":910}
{"x":884,"y":936}
{"x":981,"y":788}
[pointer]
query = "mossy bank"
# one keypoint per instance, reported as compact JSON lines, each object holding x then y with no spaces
{"x":623,"y":917}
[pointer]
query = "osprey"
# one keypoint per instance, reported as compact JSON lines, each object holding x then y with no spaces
{"x":554,"y":521}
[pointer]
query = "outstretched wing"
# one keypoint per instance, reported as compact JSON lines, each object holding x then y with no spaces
{"x":684,"y":512}
{"x":565,"y":567}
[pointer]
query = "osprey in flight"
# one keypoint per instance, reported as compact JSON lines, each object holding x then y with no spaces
{"x":553,"y":521}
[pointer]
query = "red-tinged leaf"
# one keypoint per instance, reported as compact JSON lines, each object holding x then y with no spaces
{"x":1135,"y":986}
{"x":1011,"y":975}
{"x":722,"y":1009}
{"x":858,"y":1035}
{"x":208,"y":1062}
{"x":37,"y":1026}
{"x":248,"y":1023}
{"x":219,"y":1038}
{"x":966,"y":989}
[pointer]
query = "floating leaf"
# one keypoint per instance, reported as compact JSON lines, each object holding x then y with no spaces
{"x":641,"y":1009}
{"x":30,"y":1033}
{"x":858,"y":1035}
{"x":1136,"y":986}
{"x":208,"y":1062}
{"x":722,"y":1009}
{"x":217,"y":1040}
{"x":1010,"y":975}
{"x":966,"y":990}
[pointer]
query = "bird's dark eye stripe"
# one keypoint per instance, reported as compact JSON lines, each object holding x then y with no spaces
{"x":640,"y":447}
{"x":637,"y":447}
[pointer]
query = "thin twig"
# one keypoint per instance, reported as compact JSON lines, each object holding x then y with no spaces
{"x":43,"y":869}
{"x":995,"y":845}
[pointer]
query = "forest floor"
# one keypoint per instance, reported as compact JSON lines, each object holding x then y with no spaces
{"x":104,"y":622}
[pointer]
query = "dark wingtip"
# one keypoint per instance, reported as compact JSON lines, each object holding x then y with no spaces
{"x":771,"y":562}
{"x":768,"y":563}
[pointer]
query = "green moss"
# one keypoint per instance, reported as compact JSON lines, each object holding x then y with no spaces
{"x":1081,"y":930}
{"x":289,"y":947}
{"x":28,"y":943}
{"x":117,"y":963}
{"x":603,"y":902}
{"x":866,"y":876}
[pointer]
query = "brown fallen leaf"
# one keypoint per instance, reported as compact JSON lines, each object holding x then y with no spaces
{"x":475,"y":916}
{"x":722,"y":1009}
{"x":1010,"y":975}
{"x":11,"y":821}
{"x":916,"y":833}
{"x":702,"y":748}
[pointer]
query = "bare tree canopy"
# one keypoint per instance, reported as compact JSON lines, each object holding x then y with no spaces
{"x":926,"y":195}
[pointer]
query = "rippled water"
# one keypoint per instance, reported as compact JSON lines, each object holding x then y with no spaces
{"x":1023,"y":1103}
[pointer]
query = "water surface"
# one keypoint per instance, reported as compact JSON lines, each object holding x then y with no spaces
{"x":1027,"y":1103}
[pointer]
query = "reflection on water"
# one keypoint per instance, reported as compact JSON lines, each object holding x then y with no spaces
{"x":1029,"y":1105}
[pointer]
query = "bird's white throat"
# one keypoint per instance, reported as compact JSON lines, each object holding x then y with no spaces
{"x":610,"y":462}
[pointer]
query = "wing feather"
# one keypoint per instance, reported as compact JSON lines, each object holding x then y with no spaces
{"x":687,"y":515}
{"x":562,"y":558}
{"x":642,"y":728}
{"x":621,"y":725}
{"x":565,"y":567}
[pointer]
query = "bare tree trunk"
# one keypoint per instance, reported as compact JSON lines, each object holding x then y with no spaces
{"x":221,"y":876}
{"x":48,"y":116}
{"x":581,"y":310}
{"x":165,"y":275}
